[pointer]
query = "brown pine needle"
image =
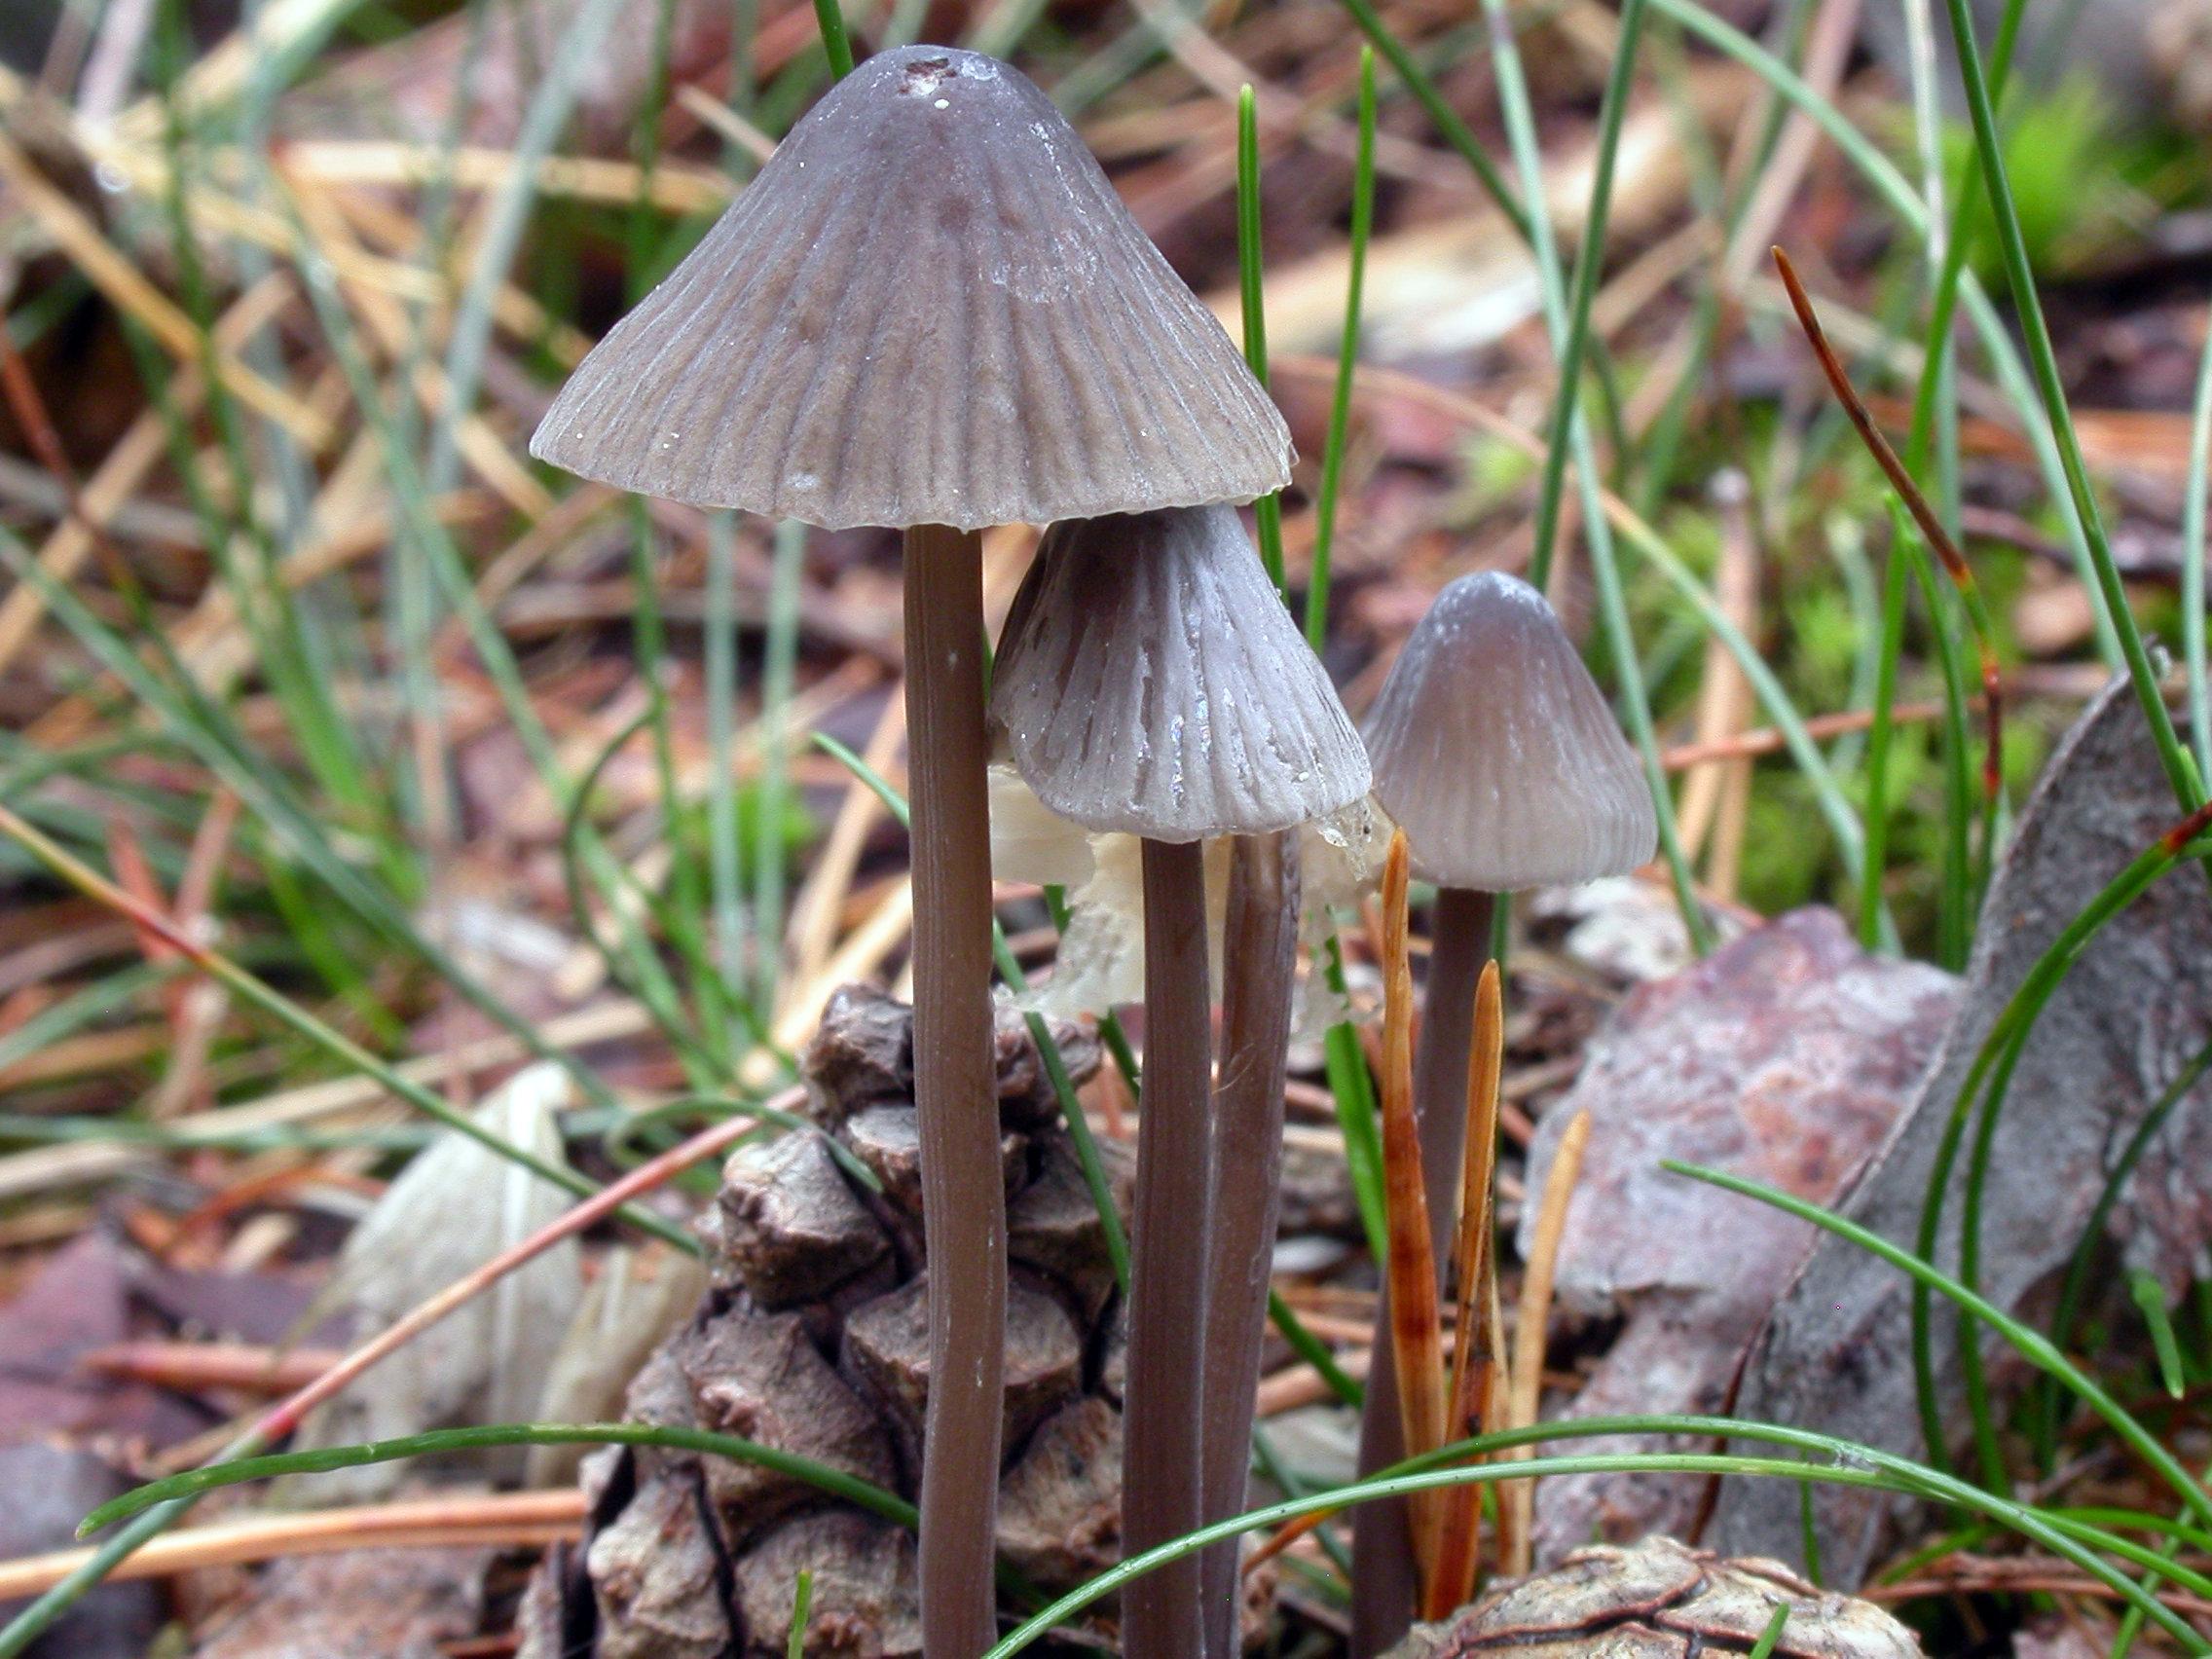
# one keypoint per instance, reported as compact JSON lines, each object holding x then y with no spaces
{"x":1459,"y":1545}
{"x":1416,"y":1326}
{"x":1520,"y":1496}
{"x":1948,"y":551}
{"x":1512,"y":1542}
{"x":520,"y":1517}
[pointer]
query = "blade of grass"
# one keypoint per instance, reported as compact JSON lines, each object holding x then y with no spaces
{"x":1266,"y":511}
{"x":2077,"y":1282}
{"x":285,"y":1417}
{"x":1938,"y":538}
{"x":209,"y":734}
{"x":802,"y":1602}
{"x":1885,"y":1476}
{"x":1348,"y":356}
{"x":2029,"y":1343}
{"x":836,"y":43}
{"x":1993,"y":1062}
{"x":2194,"y":553}
{"x":861,"y":1494}
{"x":1313,"y":1351}
{"x":551,"y":99}
{"x":1589,"y":267}
{"x":1454,"y":132}
{"x":2149,"y":1299}
{"x":2043,"y":360}
{"x":92,"y":885}
{"x":1612,"y":601}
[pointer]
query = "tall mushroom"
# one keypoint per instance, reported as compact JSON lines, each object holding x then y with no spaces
{"x":1150,"y":682}
{"x":1496,"y":754}
{"x":930,"y":310}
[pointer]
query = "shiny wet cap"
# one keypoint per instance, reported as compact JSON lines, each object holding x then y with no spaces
{"x":1149,"y":681}
{"x":1496,"y":754}
{"x":928,"y":307}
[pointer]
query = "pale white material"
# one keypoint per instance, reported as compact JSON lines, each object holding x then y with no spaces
{"x":1029,"y":841}
{"x":1151,"y":681}
{"x":1099,"y":965}
{"x":1496,"y":754}
{"x":454,"y":1208}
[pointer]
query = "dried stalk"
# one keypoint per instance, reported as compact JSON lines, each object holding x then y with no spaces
{"x":1520,"y":1496}
{"x":1416,"y":1322}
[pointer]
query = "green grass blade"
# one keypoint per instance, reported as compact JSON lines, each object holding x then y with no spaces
{"x":836,"y":43}
{"x":1454,"y":132}
{"x":2029,"y":1343}
{"x":1589,"y":267}
{"x":1993,"y":1062}
{"x":865,"y":1494}
{"x":1313,"y":1351}
{"x":2043,"y":360}
{"x":2193,"y":554}
{"x":1266,"y":511}
{"x":2149,"y":1299}
{"x":1612,"y":600}
{"x":1348,"y":359}
{"x":335,"y":1044}
{"x":551,"y":99}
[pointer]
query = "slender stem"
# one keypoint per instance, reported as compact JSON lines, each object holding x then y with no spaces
{"x":956,"y":1088}
{"x":1384,"y":1586}
{"x":1260,"y":950}
{"x":1160,"y":1493}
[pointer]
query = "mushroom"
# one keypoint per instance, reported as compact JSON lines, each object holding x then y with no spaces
{"x":1496,"y":754}
{"x":930,"y":310}
{"x":1150,"y":682}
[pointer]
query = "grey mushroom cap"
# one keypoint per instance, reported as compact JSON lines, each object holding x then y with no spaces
{"x":928,"y":307}
{"x":1149,"y":681}
{"x":1496,"y":754}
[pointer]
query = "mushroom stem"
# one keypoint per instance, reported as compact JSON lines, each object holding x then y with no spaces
{"x":1259,"y":950}
{"x":1385,"y":1582}
{"x":1167,"y":1304}
{"x":955,"y":1088}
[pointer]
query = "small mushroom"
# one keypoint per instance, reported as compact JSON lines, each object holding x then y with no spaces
{"x":1150,"y":682}
{"x":1496,"y":754}
{"x":930,"y":311}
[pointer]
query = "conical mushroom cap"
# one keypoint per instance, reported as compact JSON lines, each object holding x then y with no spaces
{"x":1494,"y":750}
{"x":1151,"y":681}
{"x":928,"y":307}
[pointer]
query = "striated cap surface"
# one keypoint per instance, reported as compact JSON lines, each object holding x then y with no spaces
{"x":928,"y":307}
{"x":1152,"y":681}
{"x":1496,"y":754}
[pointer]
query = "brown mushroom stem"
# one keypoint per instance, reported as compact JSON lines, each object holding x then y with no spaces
{"x":1160,"y":1478}
{"x":1259,"y":956}
{"x":1386,"y":1584}
{"x":955,"y":1088}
